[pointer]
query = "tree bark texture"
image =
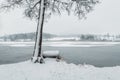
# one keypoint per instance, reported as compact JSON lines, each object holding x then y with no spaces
{"x":37,"y":55}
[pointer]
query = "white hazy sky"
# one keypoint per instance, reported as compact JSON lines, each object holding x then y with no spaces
{"x":104,"y":19}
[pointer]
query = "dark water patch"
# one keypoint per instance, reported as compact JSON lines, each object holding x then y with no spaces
{"x":14,"y":54}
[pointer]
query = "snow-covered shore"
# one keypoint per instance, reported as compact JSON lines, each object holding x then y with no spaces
{"x":53,"y":70}
{"x":61,"y":44}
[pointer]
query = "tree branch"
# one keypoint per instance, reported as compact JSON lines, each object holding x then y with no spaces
{"x":35,"y":4}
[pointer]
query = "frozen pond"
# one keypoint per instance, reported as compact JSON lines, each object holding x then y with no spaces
{"x":101,"y":54}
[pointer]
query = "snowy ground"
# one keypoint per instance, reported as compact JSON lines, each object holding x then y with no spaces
{"x":53,"y":70}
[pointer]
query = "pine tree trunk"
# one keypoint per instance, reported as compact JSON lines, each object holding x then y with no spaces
{"x":37,"y":55}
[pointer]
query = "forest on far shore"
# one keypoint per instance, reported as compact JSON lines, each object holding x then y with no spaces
{"x":46,"y":36}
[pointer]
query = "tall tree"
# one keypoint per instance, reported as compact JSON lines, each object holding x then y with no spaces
{"x":43,"y":9}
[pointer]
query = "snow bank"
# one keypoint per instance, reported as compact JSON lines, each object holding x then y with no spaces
{"x":17,"y":44}
{"x":53,"y":70}
{"x":20,"y":45}
{"x":61,"y":44}
{"x":79,"y":44}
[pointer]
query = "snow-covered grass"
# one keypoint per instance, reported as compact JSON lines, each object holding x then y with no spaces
{"x":52,"y":70}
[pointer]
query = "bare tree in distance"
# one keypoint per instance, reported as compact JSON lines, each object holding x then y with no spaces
{"x":43,"y":9}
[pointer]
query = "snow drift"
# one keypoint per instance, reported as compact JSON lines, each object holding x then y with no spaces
{"x":53,"y":70}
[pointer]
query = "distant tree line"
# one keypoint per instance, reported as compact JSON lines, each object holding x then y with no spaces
{"x":106,"y":37}
{"x":87,"y":37}
{"x":78,"y":37}
{"x":25,"y":36}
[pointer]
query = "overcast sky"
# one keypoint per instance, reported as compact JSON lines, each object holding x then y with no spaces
{"x":104,"y":19}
